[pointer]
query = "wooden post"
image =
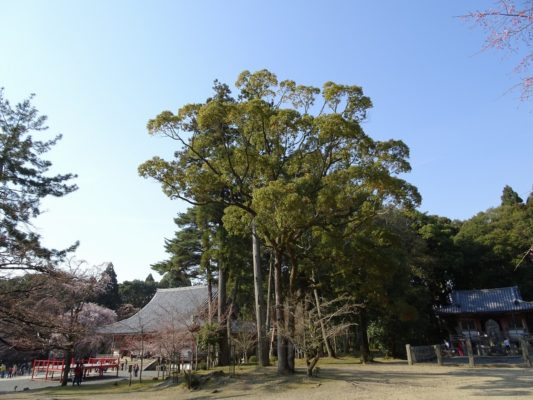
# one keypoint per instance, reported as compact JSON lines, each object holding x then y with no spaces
{"x":409,"y":354}
{"x":525,"y":352}
{"x":438,"y":352}
{"x":470,"y":353}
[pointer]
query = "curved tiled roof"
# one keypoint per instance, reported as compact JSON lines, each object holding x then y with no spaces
{"x":176,"y":307}
{"x":498,"y":300}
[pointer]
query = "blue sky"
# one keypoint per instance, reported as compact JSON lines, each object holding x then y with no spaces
{"x":101,"y":69}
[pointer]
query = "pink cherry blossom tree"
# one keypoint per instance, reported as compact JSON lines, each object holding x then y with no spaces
{"x":509,"y":27}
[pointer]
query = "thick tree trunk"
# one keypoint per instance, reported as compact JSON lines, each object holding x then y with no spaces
{"x":365,"y":351}
{"x":291,"y":323}
{"x":291,"y":351}
{"x":262,"y":350}
{"x":205,"y":263}
{"x":281,"y":341}
{"x":222,"y":298}
{"x":223,"y":345}
{"x":209,"y":295}
{"x":66,"y":370}
{"x":269,"y":294}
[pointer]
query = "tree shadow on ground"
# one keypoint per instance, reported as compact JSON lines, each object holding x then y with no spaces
{"x":485,"y":382}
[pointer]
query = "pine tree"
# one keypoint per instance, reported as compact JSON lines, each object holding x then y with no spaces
{"x":23,"y":184}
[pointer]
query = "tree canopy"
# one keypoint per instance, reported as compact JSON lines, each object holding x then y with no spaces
{"x":24,"y":182}
{"x":279,"y":161}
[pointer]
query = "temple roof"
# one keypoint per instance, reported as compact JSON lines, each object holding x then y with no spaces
{"x":174,"y":308}
{"x":498,"y":300}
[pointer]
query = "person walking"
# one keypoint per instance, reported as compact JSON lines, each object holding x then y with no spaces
{"x":78,"y":374}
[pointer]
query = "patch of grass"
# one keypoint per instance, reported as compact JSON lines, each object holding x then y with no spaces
{"x":99,"y":388}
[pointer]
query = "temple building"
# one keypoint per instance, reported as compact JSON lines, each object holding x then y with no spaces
{"x":487,"y":315}
{"x":165,"y":325}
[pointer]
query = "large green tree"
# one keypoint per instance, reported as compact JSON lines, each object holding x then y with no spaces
{"x":110,"y":297}
{"x":24,"y":182}
{"x":281,"y":165}
{"x":495,"y":244}
{"x":137,"y":292}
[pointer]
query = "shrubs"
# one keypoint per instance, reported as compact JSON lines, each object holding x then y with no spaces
{"x":252,"y":360}
{"x":202,"y":365}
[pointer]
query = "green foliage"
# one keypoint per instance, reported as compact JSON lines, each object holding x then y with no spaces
{"x":174,"y":279}
{"x":110,"y":297}
{"x":202,"y":365}
{"x":494,"y":243}
{"x":377,"y":336}
{"x":510,"y":197}
{"x":265,"y":157}
{"x":184,"y":249}
{"x":24,"y":182}
{"x":208,"y":335}
{"x":137,"y":293}
{"x":252,"y":359}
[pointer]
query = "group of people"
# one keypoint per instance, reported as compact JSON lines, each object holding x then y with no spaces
{"x":506,"y":345}
{"x":132,"y":368}
{"x":13,"y":370}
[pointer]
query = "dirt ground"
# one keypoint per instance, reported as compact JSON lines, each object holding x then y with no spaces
{"x":374,"y":381}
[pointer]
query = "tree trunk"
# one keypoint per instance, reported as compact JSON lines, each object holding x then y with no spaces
{"x":273,"y":351}
{"x":221,"y":293}
{"x":209,"y":295}
{"x":269,"y":294}
{"x":311,"y":364}
{"x":365,"y":351}
{"x":291,"y":302}
{"x":291,"y":351}
{"x":66,"y":370}
{"x":223,"y":346}
{"x":142,"y":357}
{"x":205,"y":264}
{"x":262,"y":352}
{"x":281,"y":341}
{"x":322,"y":327}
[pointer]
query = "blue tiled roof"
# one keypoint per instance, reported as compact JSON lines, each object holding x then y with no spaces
{"x":507,"y":299}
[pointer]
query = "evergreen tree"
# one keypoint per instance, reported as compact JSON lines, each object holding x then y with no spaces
{"x":137,"y":293}
{"x":510,"y":197}
{"x":493,"y":244}
{"x":110,"y":298}
{"x":280,"y":170}
{"x":24,"y":182}
{"x":174,"y":279}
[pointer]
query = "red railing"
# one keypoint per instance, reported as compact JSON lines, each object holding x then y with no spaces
{"x":49,"y":368}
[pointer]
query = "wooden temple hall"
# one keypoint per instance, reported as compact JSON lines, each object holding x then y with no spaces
{"x":172,"y":313}
{"x":487,"y":316}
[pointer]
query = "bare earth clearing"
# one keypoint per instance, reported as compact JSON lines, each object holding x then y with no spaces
{"x":374,"y":381}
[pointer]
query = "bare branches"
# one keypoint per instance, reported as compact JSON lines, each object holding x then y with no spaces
{"x":317,"y":322}
{"x":509,"y":26}
{"x":32,"y":318}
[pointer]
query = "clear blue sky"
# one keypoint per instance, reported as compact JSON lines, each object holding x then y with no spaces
{"x":101,"y":69}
